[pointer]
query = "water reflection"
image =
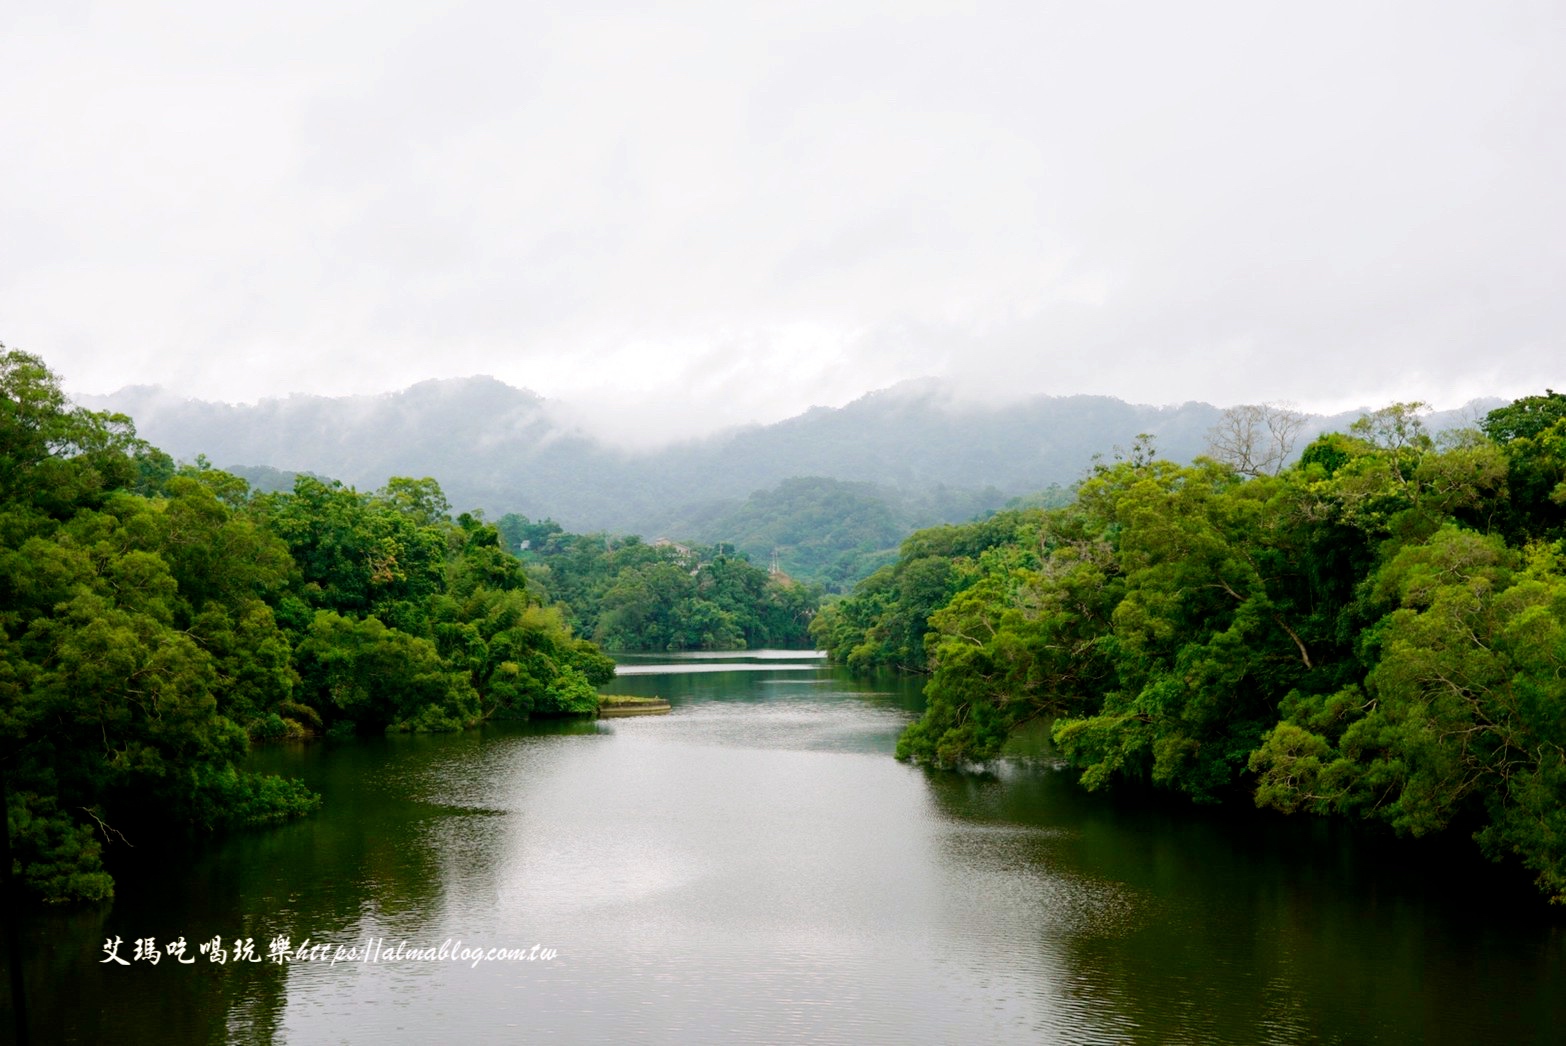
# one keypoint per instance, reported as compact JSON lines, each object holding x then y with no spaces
{"x":754,"y":867}
{"x":1240,"y":927}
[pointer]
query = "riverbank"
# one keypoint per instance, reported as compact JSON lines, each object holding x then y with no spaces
{"x":611,"y":706}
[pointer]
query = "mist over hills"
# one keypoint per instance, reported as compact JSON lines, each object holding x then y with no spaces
{"x":504,"y":449}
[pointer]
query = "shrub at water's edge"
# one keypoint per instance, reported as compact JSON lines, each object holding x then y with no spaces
{"x":630,"y":594}
{"x":158,"y":618}
{"x":1376,"y":631}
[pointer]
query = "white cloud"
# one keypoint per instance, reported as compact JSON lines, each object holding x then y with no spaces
{"x":705,"y":213}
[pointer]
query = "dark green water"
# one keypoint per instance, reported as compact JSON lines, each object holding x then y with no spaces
{"x":756,"y":868}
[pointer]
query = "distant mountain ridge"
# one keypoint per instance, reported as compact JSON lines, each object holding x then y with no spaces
{"x":503,"y":449}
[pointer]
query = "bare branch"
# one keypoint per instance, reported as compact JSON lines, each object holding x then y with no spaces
{"x":106,"y":828}
{"x":1256,"y":439}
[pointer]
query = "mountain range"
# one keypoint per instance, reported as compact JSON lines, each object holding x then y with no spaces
{"x":505,"y":450}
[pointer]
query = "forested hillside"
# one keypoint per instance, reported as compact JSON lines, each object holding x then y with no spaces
{"x":156,"y":619}
{"x":506,"y":451}
{"x":629,"y":594}
{"x":1377,"y":631}
{"x":825,"y":531}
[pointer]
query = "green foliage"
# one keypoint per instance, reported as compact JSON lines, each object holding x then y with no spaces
{"x":1532,"y":435}
{"x":380,"y":678}
{"x":569,"y":693}
{"x":884,"y":622}
{"x":1378,"y":632}
{"x":55,"y":856}
{"x":358,"y":554}
{"x":829,"y":532}
{"x":500,"y":448}
{"x":1461,"y":716}
{"x":405,"y":619}
{"x":55,"y":458}
{"x":632,"y":595}
{"x":228,"y":797}
{"x":154,"y":620}
{"x":515,"y":651}
{"x":134,"y":628}
{"x":1525,"y":418}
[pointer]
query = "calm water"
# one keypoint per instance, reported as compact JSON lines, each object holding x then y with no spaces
{"x":756,"y":868}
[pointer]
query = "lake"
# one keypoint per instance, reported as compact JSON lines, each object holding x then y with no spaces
{"x":755,"y":867}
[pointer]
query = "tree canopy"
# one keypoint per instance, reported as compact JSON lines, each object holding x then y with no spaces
{"x":155,"y":620}
{"x":630,"y":594}
{"x":1375,"y":631}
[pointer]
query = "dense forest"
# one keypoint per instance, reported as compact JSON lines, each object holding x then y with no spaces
{"x":629,"y":594}
{"x":828,"y":532}
{"x":1376,"y":631}
{"x":156,"y":619}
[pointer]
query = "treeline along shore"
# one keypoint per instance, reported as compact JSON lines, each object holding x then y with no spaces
{"x":1376,"y":631}
{"x":1374,"y":628}
{"x":156,"y":619}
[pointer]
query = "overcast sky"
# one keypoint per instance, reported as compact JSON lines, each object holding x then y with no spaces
{"x":703,"y":213}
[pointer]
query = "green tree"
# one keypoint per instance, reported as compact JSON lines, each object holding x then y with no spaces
{"x":361,"y":673}
{"x":116,"y":719}
{"x":1461,"y":716}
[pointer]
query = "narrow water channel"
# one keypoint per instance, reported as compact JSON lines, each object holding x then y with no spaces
{"x":755,"y":867}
